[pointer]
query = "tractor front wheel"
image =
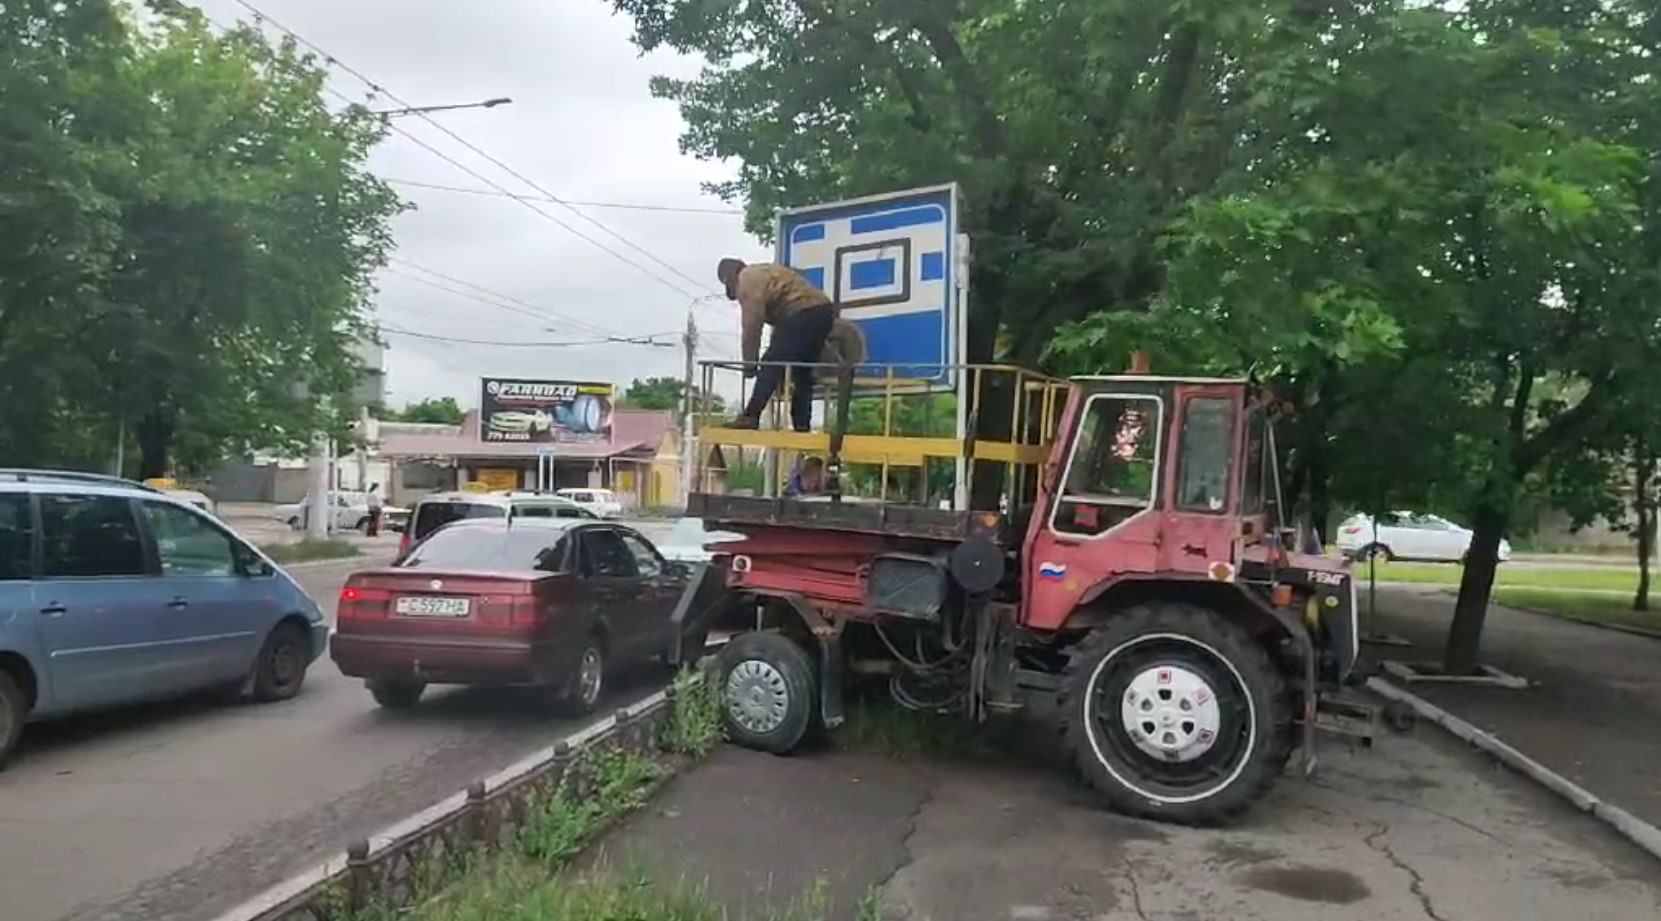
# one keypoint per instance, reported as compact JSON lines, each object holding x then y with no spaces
{"x":1172,"y":712}
{"x":769,"y":691}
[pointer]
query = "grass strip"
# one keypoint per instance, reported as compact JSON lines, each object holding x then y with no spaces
{"x":307,"y":550}
{"x":1600,"y":578}
{"x":1597,"y":607}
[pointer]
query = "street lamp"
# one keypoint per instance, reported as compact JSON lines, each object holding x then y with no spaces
{"x":422,"y":110}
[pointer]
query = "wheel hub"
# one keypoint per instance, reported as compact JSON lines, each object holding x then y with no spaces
{"x":757,"y":697}
{"x":588,"y":677}
{"x":1171,"y":713}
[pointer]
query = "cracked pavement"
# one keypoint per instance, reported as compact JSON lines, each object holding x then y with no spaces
{"x":1417,"y":828}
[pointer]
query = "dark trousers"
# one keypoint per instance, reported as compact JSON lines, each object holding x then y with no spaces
{"x":799,"y":337}
{"x":373,"y":529}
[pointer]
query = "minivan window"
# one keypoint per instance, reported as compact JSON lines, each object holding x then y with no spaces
{"x":187,"y":544}
{"x":17,"y":532}
{"x":434,"y":515}
{"x":89,"y":536}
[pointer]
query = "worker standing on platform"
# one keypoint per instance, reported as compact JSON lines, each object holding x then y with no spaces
{"x":801,"y":316}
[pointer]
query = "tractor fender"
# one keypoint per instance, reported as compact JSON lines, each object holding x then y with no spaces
{"x":798,"y":618}
{"x":1117,"y":592}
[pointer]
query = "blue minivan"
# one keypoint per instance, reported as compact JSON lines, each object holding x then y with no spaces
{"x":113,"y":593}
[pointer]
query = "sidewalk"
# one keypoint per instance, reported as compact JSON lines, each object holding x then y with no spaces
{"x":1595,"y":716}
{"x":1417,"y":827}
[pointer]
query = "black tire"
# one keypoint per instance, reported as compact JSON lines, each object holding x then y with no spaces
{"x":587,"y":685}
{"x":1199,"y":776}
{"x":769,"y":692}
{"x":1378,"y":552}
{"x":281,"y":667}
{"x":14,"y":711}
{"x":294,"y":524}
{"x":396,"y":693}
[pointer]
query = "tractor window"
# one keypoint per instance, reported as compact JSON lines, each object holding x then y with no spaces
{"x":1252,"y":491}
{"x":1202,"y":471}
{"x":1111,"y":475}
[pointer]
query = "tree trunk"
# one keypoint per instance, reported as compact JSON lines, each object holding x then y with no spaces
{"x":1469,"y":612}
{"x":1643,"y":502}
{"x":155,"y":439}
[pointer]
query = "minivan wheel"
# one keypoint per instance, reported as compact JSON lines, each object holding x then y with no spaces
{"x":396,"y":693}
{"x":14,"y":710}
{"x":281,"y":667}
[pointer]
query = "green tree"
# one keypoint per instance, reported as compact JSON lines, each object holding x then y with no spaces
{"x":230,"y":228}
{"x":665,"y":393}
{"x":440,"y":410}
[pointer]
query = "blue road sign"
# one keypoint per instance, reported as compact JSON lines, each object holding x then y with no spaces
{"x":891,"y":263}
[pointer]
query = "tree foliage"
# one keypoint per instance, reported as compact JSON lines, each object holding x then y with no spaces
{"x":1431,"y":225}
{"x":435,"y":410}
{"x":665,"y":393}
{"x":189,"y":234}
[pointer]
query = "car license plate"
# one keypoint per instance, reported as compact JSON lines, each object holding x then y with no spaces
{"x":427,"y":606}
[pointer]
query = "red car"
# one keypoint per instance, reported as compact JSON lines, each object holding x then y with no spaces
{"x":553,"y":603}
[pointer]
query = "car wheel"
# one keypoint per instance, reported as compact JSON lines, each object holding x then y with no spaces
{"x":294,"y":524}
{"x":14,"y":711}
{"x":587,"y":684}
{"x":769,"y":692}
{"x":281,"y":667}
{"x":396,"y":693}
{"x":1377,"y":553}
{"x":1171,"y":712}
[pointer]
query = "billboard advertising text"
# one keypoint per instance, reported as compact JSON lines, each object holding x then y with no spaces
{"x":545,"y":412}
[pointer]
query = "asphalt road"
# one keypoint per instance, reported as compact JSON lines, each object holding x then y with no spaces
{"x":177,"y":811}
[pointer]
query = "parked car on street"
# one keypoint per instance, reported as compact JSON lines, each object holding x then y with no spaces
{"x":351,"y":512}
{"x":1408,"y":536}
{"x":439,"y":509}
{"x":602,"y":502}
{"x":113,"y":593}
{"x":552,"y":603}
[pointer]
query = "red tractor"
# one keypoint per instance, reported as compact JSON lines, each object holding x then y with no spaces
{"x":1140,"y":573}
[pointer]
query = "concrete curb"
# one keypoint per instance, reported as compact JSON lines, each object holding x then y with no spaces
{"x":1634,"y":829}
{"x":293,"y":897}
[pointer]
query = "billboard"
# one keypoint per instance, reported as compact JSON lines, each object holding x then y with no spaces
{"x":545,"y":412}
{"x":891,"y":262}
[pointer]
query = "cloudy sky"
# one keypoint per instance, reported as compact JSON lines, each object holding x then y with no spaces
{"x":584,"y":127}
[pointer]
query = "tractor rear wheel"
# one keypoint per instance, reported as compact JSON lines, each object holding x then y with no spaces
{"x":1172,"y":712}
{"x":769,"y":691}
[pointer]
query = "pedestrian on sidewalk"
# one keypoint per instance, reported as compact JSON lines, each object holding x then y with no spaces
{"x":801,"y":316}
{"x":374,"y":527}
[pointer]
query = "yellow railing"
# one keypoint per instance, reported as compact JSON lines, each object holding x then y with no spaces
{"x":894,"y":420}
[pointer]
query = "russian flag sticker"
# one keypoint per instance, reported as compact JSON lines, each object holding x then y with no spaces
{"x":1049,"y":570}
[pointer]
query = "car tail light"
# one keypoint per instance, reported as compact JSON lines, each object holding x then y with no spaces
{"x":1353,"y":529}
{"x":525,"y":611}
{"x":362,"y":603}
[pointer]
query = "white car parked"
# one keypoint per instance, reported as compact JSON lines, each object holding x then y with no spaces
{"x":351,"y":512}
{"x":602,"y":502}
{"x":689,"y":542}
{"x":1408,"y":536}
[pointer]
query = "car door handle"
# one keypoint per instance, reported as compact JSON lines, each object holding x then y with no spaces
{"x":54,"y":610}
{"x":178,"y":603}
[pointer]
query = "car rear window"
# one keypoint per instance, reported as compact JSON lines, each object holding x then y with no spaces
{"x":434,"y":515}
{"x":489,"y":548}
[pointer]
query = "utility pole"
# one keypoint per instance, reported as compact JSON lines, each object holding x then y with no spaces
{"x":317,"y":501}
{"x":690,"y":341}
